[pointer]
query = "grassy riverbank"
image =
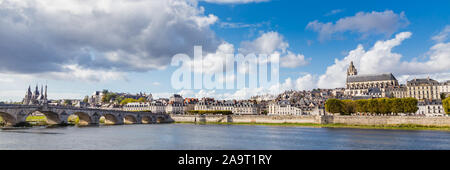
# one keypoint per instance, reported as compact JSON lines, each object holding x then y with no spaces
{"x":393,"y":127}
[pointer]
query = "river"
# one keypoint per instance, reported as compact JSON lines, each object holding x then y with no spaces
{"x":219,"y":137}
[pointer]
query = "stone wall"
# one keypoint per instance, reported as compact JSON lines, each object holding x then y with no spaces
{"x":247,"y":119}
{"x":392,"y":120}
{"x":351,"y":120}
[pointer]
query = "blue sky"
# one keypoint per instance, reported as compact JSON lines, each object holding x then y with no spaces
{"x":75,"y":62}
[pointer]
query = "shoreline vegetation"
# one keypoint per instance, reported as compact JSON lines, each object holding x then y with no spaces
{"x":388,"y":127}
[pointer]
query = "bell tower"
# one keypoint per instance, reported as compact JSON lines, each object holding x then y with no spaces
{"x":351,"y":71}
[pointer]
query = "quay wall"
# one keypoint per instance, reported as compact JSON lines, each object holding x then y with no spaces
{"x":246,"y":119}
{"x":390,"y":120}
{"x":349,"y":120}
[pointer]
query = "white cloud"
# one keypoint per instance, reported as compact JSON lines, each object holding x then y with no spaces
{"x":273,"y":43}
{"x":334,"y":12}
{"x":386,"y":22}
{"x":122,"y":35}
{"x":267,"y":43}
{"x":292,"y":60}
{"x":381,"y":59}
{"x":443,"y":35}
{"x":75,"y":72}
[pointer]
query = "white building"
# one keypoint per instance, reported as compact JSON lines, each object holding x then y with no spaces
{"x":286,"y":108}
{"x":154,"y":107}
{"x":239,"y":108}
{"x":433,"y":108}
{"x":444,"y":87}
{"x":175,"y":108}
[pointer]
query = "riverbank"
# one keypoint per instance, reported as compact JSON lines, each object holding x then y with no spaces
{"x":391,"y":127}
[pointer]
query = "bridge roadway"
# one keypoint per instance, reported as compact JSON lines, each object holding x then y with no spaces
{"x":14,"y":114}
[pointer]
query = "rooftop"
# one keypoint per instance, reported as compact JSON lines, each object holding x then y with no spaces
{"x":371,"y":77}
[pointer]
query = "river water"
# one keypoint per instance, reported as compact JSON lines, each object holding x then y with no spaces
{"x":218,"y":137}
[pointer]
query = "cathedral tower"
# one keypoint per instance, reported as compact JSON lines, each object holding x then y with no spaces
{"x":351,"y":71}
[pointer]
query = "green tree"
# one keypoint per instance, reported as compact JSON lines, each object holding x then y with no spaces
{"x":410,"y":105}
{"x":119,"y":99}
{"x":373,"y":106}
{"x":334,"y":106}
{"x":86,"y":99}
{"x":397,"y":105}
{"x":446,"y":104}
{"x":107,"y":98}
{"x":349,"y":107}
{"x":362,"y":106}
{"x":67,"y":102}
{"x":127,"y":100}
{"x":142,"y":100}
{"x":443,"y":96}
{"x":384,"y":106}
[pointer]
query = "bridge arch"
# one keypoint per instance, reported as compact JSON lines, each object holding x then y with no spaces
{"x":84,"y":118}
{"x":110,"y":119}
{"x":160,"y":119}
{"x":130,"y":119}
{"x":8,"y":119}
{"x":147,"y":120}
{"x":52,"y":117}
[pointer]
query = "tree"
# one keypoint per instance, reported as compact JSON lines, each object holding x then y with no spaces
{"x":384,"y":106}
{"x":446,"y":104}
{"x":362,"y":106}
{"x":349,"y":107}
{"x":397,"y":105}
{"x":265,"y":112}
{"x":86,"y":99}
{"x":127,"y":100}
{"x":373,"y":106}
{"x":410,"y":105}
{"x":119,"y":99}
{"x":334,"y":106}
{"x":107,"y":98}
{"x":67,"y":102}
{"x":142,"y":100}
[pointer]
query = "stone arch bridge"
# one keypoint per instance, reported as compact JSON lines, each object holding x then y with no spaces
{"x":14,"y":114}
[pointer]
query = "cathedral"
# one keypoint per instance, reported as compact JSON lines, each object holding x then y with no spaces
{"x":36,"y":97}
{"x":373,"y":85}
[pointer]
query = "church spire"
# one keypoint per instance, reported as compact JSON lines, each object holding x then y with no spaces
{"x":45,"y":94}
{"x":351,"y":71}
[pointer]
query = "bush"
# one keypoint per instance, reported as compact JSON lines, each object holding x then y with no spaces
{"x":201,"y":112}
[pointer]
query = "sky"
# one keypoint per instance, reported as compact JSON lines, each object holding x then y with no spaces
{"x":81,"y":46}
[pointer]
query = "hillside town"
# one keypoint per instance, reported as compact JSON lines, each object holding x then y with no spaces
{"x":428,"y":92}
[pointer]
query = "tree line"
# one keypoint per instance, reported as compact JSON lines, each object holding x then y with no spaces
{"x":372,"y":106}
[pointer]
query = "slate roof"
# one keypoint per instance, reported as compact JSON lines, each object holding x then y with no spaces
{"x":422,"y":81}
{"x":370,"y":77}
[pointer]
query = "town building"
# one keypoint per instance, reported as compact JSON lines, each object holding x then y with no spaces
{"x":444,"y":88}
{"x":430,"y":108}
{"x":375,"y":85}
{"x":236,"y":107}
{"x":423,"y":89}
{"x":154,"y":107}
{"x":285,"y":107}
